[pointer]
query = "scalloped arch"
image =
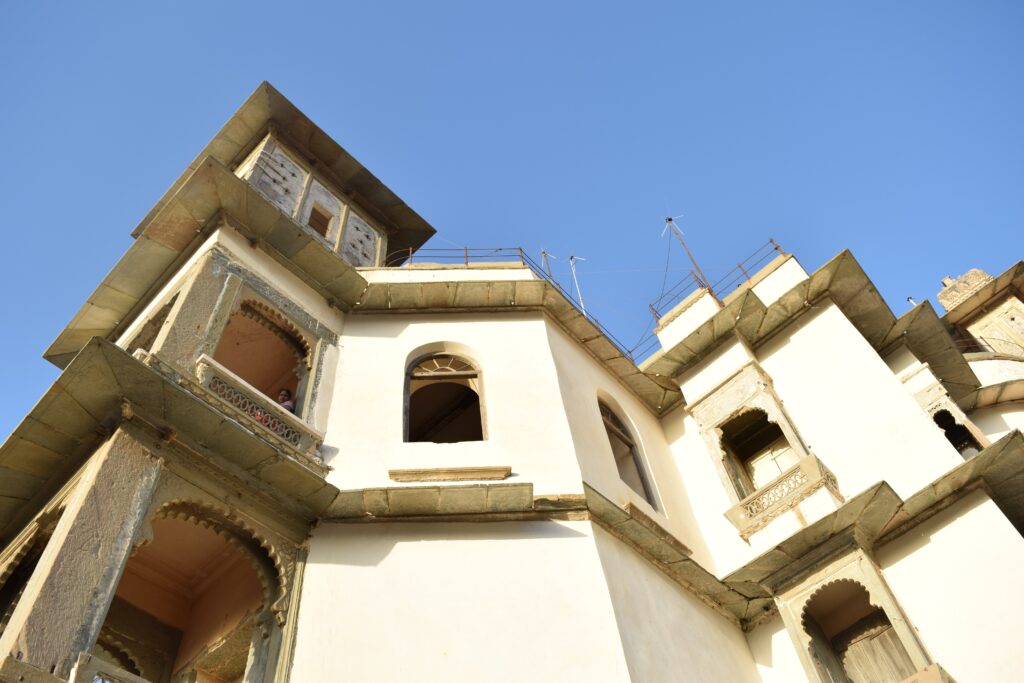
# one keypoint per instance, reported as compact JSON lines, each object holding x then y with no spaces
{"x":824,"y":587}
{"x":261,"y":553}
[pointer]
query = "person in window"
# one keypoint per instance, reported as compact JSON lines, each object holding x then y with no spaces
{"x":284,"y":399}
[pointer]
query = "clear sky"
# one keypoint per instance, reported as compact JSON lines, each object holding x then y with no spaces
{"x":893,"y":129}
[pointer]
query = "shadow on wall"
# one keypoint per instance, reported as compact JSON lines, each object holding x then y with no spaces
{"x":368,"y":544}
{"x":920,"y":536}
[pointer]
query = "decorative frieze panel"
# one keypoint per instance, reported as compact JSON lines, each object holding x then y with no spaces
{"x":758,"y":510}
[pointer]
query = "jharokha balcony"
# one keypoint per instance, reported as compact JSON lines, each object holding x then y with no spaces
{"x":784,"y":493}
{"x":237,"y":399}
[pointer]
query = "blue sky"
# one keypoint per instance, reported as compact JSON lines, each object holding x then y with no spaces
{"x":892,"y":129}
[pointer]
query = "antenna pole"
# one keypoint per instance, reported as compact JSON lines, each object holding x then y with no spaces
{"x":579,"y":294}
{"x":670,"y":223}
{"x":547,"y":266}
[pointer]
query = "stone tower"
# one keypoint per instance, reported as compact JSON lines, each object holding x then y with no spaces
{"x":288,"y":444}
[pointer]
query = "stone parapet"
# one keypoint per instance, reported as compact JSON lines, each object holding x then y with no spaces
{"x":780,"y":495}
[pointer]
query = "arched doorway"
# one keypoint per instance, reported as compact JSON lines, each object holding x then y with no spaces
{"x":853,"y":640}
{"x":191,"y":602}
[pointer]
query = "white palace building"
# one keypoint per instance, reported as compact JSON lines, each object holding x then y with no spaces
{"x":286,"y":446}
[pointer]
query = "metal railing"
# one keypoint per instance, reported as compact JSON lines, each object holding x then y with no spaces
{"x":676,"y":293}
{"x":1002,"y":347}
{"x":469,"y":255}
{"x":742,"y":273}
{"x":455,"y":255}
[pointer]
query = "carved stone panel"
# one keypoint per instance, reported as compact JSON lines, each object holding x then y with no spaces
{"x":278,"y":177}
{"x":359,"y":242}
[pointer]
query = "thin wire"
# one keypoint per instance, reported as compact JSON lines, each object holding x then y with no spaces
{"x":664,"y":277}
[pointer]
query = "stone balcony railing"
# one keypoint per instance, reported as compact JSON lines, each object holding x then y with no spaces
{"x":91,"y":669}
{"x":244,"y":400}
{"x":782,"y":494}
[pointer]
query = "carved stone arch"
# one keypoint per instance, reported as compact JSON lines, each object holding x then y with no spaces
{"x":271,"y":569}
{"x":804,"y":614}
{"x":280,"y":326}
{"x":121,"y":654}
{"x":281,"y":549}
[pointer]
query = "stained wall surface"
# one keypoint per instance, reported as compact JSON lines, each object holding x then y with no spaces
{"x":956,"y":578}
{"x":502,"y":601}
{"x":667,"y":633}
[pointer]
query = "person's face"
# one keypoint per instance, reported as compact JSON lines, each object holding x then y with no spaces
{"x":284,"y":396}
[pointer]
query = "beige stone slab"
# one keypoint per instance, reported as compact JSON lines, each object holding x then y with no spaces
{"x":509,"y":497}
{"x":419,"y":500}
{"x":450,"y":474}
{"x":462,"y":500}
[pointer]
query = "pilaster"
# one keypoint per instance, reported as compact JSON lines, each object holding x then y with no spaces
{"x":66,"y":599}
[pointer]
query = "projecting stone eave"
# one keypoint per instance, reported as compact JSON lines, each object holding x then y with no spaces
{"x":101,"y":388}
{"x":1012,"y":279}
{"x":844,"y":282}
{"x":507,"y":287}
{"x":211,"y":197}
{"x":267,"y":109}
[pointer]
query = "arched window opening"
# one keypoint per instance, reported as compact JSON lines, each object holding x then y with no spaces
{"x":14,"y":586}
{"x":261,"y":347}
{"x":190,"y":599}
{"x":853,"y":640}
{"x":757,"y":450}
{"x":627,"y":457}
{"x":957,"y":434}
{"x":443,"y":401}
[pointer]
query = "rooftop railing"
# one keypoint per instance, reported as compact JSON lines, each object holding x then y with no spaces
{"x":1002,"y":347}
{"x":469,"y":255}
{"x":741,"y":274}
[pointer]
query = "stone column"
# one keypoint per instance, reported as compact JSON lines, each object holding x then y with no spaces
{"x":199,"y":315}
{"x":67,"y":597}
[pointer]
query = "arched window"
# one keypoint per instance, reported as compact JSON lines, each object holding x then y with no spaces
{"x":263,"y":348}
{"x":957,"y":434}
{"x":851,"y":639}
{"x":627,"y":457}
{"x":757,"y":451}
{"x":443,"y":401}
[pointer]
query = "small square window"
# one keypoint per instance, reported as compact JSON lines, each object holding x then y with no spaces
{"x":319,"y":220}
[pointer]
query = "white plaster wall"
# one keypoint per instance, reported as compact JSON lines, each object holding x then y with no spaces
{"x":699,"y":311}
{"x":902,"y":362}
{"x":997,"y":371}
{"x":956,"y":577}
{"x":711,"y":372}
{"x":774,"y":652}
{"x":524,"y":419}
{"x":502,"y":601}
{"x":849,"y":408}
{"x":721,"y":549}
{"x":779,"y":281}
{"x":582,"y":381}
{"x":997,"y":421}
{"x":667,"y":633}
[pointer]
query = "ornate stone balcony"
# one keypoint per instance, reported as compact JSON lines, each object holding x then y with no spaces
{"x":756,"y":511}
{"x":236,"y":396}
{"x":237,"y":399}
